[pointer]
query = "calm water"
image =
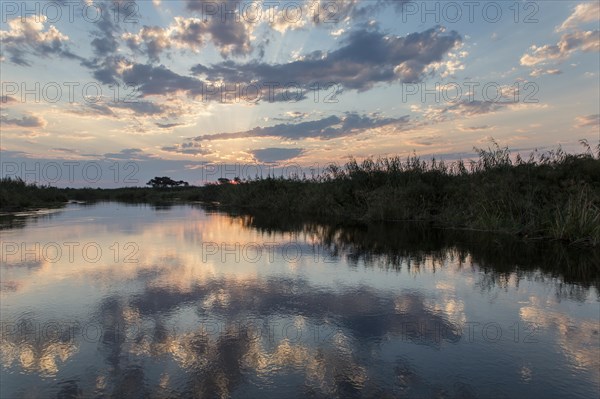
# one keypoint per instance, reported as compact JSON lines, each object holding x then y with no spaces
{"x":112,"y":300}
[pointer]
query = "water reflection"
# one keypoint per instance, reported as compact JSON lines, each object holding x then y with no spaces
{"x":362,"y":311}
{"x":410,"y":244}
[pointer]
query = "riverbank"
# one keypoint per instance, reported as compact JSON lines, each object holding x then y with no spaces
{"x":549,"y":196}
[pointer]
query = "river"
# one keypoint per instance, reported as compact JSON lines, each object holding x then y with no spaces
{"x":142,"y":301}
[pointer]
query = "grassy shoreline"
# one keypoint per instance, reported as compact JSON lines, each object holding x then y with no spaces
{"x":549,"y":196}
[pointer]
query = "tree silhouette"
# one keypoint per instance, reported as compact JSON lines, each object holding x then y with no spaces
{"x":163,"y":182}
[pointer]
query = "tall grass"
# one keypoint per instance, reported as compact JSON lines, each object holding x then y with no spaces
{"x":580,"y":217}
{"x":553,"y":195}
{"x":16,"y":194}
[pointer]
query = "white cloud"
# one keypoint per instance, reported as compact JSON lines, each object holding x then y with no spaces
{"x":583,"y":13}
{"x":588,"y":121}
{"x":569,"y":43}
{"x":541,"y":71}
{"x":28,"y":36}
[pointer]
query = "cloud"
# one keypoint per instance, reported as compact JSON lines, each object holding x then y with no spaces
{"x":291,"y":116}
{"x":292,"y":15}
{"x":189,"y":148}
{"x":66,"y":150}
{"x":30,"y":36}
{"x":542,"y":71}
{"x":588,"y":121}
{"x":106,"y":35}
{"x":141,"y":107}
{"x":150,"y":40}
{"x":324,"y":129}
{"x":230,"y":37}
{"x":475,"y":128}
{"x":273,"y":155}
{"x":301,"y":15}
{"x":91,"y":109}
{"x":76,"y":136}
{"x":569,"y":43}
{"x":582,"y":13}
{"x":134,"y":108}
{"x":467,"y":108}
{"x":130,"y":154}
{"x":24,"y":121}
{"x":141,"y":117}
{"x":105,"y":43}
{"x":168,"y":125}
{"x":6,"y":99}
{"x":365,"y":59}
{"x":151,"y":80}
{"x":475,"y":107}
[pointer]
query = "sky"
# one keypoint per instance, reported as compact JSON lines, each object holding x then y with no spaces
{"x":113,"y":92}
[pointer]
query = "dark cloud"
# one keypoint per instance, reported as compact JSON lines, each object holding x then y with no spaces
{"x":141,"y":107}
{"x":24,"y":121}
{"x":189,"y":148}
{"x":144,"y":108}
{"x":129,"y":154}
{"x":272,"y":155}
{"x":476,"y":128}
{"x":104,"y":69}
{"x":124,"y":109}
{"x":67,"y":150}
{"x":167,"y":125}
{"x":366,"y":58}
{"x":230,"y":35}
{"x":151,"y":80}
{"x":105,"y":40}
{"x":324,"y":129}
{"x":94,"y":109}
